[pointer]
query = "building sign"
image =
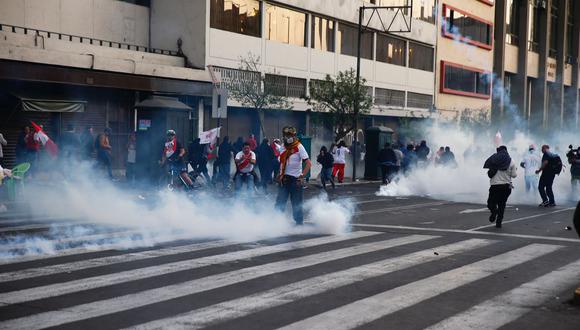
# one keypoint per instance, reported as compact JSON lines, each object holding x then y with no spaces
{"x":551,"y":70}
{"x":144,"y":124}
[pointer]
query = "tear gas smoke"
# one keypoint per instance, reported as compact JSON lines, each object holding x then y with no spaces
{"x":468,"y":182}
{"x":99,"y":205}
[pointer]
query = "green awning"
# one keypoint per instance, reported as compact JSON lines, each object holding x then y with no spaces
{"x":52,"y":105}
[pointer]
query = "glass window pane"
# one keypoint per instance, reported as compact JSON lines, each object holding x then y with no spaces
{"x":389,"y":97}
{"x":285,"y":25}
{"x":391,"y":50}
{"x":322,"y":34}
{"x":239,"y":16}
{"x":348,"y":36}
{"x":420,"y":57}
{"x":421,"y":101}
{"x":465,"y":80}
{"x":467,"y":28}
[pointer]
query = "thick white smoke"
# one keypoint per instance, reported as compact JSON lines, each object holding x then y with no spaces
{"x":160,"y":216}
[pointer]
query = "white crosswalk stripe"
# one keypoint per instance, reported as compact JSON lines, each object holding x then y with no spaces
{"x":369,"y":309}
{"x":47,"y":291}
{"x":292,"y":292}
{"x":388,"y":254}
{"x":143,"y":298}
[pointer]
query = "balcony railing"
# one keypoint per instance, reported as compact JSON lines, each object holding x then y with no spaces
{"x":81,"y":39}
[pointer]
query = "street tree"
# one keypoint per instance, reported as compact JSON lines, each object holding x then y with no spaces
{"x":251,"y":89}
{"x":336,"y":96}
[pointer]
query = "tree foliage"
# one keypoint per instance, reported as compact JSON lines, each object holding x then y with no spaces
{"x":337,"y":96}
{"x":251,"y":89}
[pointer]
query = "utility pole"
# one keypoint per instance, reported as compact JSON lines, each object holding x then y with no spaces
{"x":356,"y":99}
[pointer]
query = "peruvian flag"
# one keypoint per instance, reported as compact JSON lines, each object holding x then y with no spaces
{"x":210,"y":137}
{"x":48,"y":144}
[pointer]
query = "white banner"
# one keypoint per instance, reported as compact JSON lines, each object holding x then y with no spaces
{"x":209,"y":136}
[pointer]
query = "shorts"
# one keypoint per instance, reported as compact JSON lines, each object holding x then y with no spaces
{"x":178,"y":166}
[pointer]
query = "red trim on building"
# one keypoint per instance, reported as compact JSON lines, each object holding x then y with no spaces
{"x":445,"y":90}
{"x":463,"y":39}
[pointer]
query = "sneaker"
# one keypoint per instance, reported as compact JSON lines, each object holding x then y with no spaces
{"x":492,"y":217}
{"x":498,"y":225}
{"x":544,"y":204}
{"x":550,"y":205}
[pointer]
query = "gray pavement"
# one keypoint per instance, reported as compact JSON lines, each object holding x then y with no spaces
{"x":409,"y":263}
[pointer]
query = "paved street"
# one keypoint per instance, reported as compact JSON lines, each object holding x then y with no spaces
{"x":409,"y":263}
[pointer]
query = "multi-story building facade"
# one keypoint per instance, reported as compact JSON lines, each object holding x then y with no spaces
{"x":536,"y":58}
{"x":299,"y":42}
{"x":464,"y":60}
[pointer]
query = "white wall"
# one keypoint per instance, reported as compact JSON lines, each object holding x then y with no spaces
{"x":110,"y":20}
{"x":185,"y":19}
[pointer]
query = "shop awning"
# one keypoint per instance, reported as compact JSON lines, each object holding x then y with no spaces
{"x":163,"y":102}
{"x":38,"y":105}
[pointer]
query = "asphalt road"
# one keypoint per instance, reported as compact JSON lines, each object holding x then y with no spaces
{"x":409,"y":263}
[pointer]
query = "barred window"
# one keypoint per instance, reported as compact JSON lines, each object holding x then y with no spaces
{"x":230,"y":78}
{"x":417,"y":100}
{"x":239,"y":16}
{"x":389,"y":97}
{"x":285,"y":86}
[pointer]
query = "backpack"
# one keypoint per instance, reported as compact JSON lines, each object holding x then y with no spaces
{"x":556,"y":164}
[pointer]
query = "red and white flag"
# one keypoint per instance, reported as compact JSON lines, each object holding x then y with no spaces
{"x":48,"y":144}
{"x":210,"y":137}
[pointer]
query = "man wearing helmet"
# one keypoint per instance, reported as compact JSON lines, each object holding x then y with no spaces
{"x":292,"y":156}
{"x":173,"y":153}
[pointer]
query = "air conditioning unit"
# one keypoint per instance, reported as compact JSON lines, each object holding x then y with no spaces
{"x":541,"y":4}
{"x":571,"y":60}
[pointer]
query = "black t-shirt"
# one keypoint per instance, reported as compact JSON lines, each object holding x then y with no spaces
{"x":548,"y":170}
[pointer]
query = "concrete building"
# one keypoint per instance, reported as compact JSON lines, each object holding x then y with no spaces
{"x":298,"y":42}
{"x":536,"y":58}
{"x":464,"y":57}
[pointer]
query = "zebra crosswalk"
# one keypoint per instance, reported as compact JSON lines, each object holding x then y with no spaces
{"x":303,"y":281}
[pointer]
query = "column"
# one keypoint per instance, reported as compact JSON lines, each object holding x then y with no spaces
{"x":556,"y":107}
{"x":520,"y":92}
{"x":498,"y":94}
{"x":539,"y":105}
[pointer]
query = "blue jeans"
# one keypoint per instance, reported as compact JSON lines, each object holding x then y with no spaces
{"x":326,"y":175}
{"x":290,"y":187}
{"x":242,"y":178}
{"x":104,"y":158}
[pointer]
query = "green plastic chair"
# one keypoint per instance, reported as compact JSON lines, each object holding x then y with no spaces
{"x":13,"y":184}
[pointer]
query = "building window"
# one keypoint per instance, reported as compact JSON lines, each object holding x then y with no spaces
{"x":554,"y":29}
{"x":459,"y":25}
{"x":533,"y":28}
{"x":391,"y":50}
{"x":285,"y":86}
{"x":348,"y":36}
{"x":285,"y":25}
{"x":322,"y":34}
{"x":512,"y":22}
{"x":239,"y":16}
{"x":420,"y":57}
{"x":465,"y":81}
{"x":419,"y":101}
{"x":390,"y":97}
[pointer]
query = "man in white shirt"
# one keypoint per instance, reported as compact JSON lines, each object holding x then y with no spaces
{"x":502,"y":170}
{"x":245,"y":161}
{"x":292,"y":156}
{"x":531,"y":163}
{"x":339,"y":154}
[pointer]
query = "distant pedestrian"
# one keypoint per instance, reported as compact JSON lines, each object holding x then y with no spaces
{"x":448,"y":158}
{"x":410,"y":160}
{"x":531,"y":163}
{"x":252,"y":141}
{"x":326,"y":160}
{"x":131,"y":158}
{"x":387,"y":160}
{"x":423,"y":152}
{"x":438,"y":154}
{"x":265,"y":158}
{"x":238,"y":145}
{"x":87,"y":143}
{"x":551,"y":165}
{"x":245,"y":162}
{"x":276,"y":147}
{"x":400,"y":157}
{"x":574,"y":161}
{"x":3,"y":143}
{"x":104,"y":151}
{"x":339,"y":153}
{"x":225,"y":152}
{"x":502,"y":170}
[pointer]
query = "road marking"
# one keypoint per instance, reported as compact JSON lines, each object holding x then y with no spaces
{"x":523,"y":218}
{"x":506,"y":308}
{"x":37,"y":226}
{"x":374,"y":307}
{"x":468,"y":211}
{"x":400,"y":208}
{"x":106,"y":261}
{"x":57,"y":289}
{"x":147,"y":297}
{"x":306,"y":288}
{"x":443,"y":230}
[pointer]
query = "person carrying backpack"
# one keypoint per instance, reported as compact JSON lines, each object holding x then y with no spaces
{"x":551,"y":166}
